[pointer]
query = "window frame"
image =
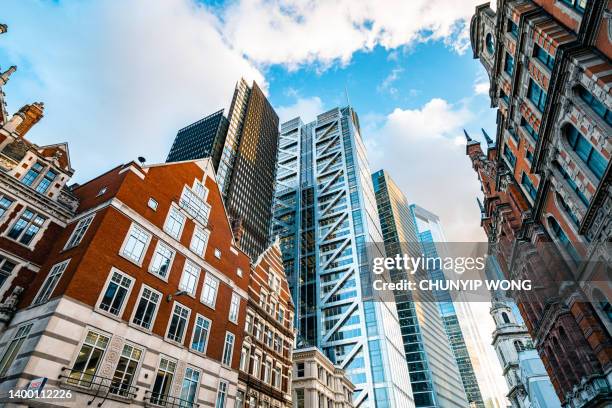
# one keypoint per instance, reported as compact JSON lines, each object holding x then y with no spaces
{"x":165,"y":228}
{"x":193,"y":332}
{"x":88,"y":219}
{"x":158,"y":244}
{"x":236,"y":312}
{"x":88,"y":329}
{"x":218,"y":284}
{"x":19,"y":338}
{"x":137,"y":303}
{"x":231,"y":354}
{"x":105,"y":288}
{"x":63,"y":265}
{"x":197,"y":268}
{"x":182,"y":340}
{"x":36,"y":237}
{"x":144,"y":249}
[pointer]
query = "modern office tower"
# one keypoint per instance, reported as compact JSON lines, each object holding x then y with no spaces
{"x":317,"y":382}
{"x":432,"y":240}
{"x":248,"y":165}
{"x":434,"y":375}
{"x":204,"y":138}
{"x":546,"y":179}
{"x":325,"y":216}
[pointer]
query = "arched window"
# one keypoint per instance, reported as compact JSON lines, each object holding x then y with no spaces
{"x":601,"y":302}
{"x":505,"y":318}
{"x":489,"y":43}
{"x":518,"y":345}
{"x":585,"y":150}
{"x":563,"y":239}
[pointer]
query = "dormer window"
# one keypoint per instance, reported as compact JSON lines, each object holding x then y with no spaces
{"x":32,"y":174}
{"x":101,"y":192}
{"x":44,"y":184}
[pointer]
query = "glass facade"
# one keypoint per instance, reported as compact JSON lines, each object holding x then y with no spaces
{"x":325,"y":216}
{"x":434,"y":375}
{"x":431,"y":237}
{"x":204,"y":138}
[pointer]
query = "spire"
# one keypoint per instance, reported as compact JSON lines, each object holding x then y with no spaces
{"x":4,"y":77}
{"x":467,"y":137}
{"x":487,"y":138}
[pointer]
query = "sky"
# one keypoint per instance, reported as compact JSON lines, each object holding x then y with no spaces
{"x":119,"y":78}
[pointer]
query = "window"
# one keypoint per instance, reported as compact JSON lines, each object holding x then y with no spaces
{"x":240,"y":399}
{"x":489,"y":43}
{"x":88,"y":359}
{"x":526,"y":182}
{"x":221,"y":394}
{"x":299,"y":397}
{"x":162,"y":259}
{"x":594,"y":103}
{"x":189,"y":279}
{"x":178,"y":323}
{"x":239,"y":272}
{"x":228,"y":349}
{"x":79,"y":232}
{"x":217,"y":253}
{"x":32,"y":174}
{"x":13,"y":348}
{"x":571,"y":183}
{"x":152,"y":204}
{"x":504,"y":97}
{"x":163,"y":381}
{"x":5,"y":204}
{"x":604,"y":305}
{"x":276,"y":377}
{"x":209,"y":292}
{"x":6,"y":268}
{"x":201,"y":329}
{"x":256,"y":362}
{"x":194,"y":205}
{"x":509,"y":156}
{"x":519,"y":346}
{"x":529,"y":129}
{"x":267,"y":367}
{"x":126,"y":371}
{"x":199,"y":189}
{"x":135,"y":244}
{"x":585,"y":150}
{"x":50,"y":282}
{"x":234,"y":308}
{"x":300,"y":370}
{"x":529,"y":156}
{"x":563,"y":239}
{"x":509,"y":64}
{"x":543,"y":56}
{"x":26,"y":227}
{"x":513,"y":28}
{"x":536,"y":95}
{"x":244,"y":358}
{"x":144,"y":316}
{"x":577,"y":5}
{"x":101,"y":192}
{"x":189,"y":389}
{"x":174,"y":223}
{"x":199,"y":240}
{"x":567,"y":209}
{"x":44,"y":184}
{"x":117,"y":291}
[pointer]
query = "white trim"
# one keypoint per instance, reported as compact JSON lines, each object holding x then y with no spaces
{"x":180,"y":343}
{"x":35,"y":238}
{"x":174,"y":206}
{"x":59,"y":265}
{"x":119,"y":314}
{"x":231,"y":356}
{"x":127,"y":237}
{"x":214,"y":301}
{"x":135,"y":308}
{"x":237,"y":297}
{"x":203,"y":352}
{"x":171,"y":249}
{"x":197,"y":278}
{"x":88,"y":328}
{"x":81,"y":220}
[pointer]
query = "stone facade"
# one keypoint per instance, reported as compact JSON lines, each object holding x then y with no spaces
{"x":546,"y":179}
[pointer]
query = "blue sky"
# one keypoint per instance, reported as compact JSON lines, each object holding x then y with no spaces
{"x":119,"y":78}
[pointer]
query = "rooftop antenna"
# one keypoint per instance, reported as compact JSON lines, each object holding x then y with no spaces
{"x":348,"y":101}
{"x":141,"y":160}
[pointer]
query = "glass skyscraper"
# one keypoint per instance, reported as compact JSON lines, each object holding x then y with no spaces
{"x":325,"y":216}
{"x":204,"y":138}
{"x":434,"y":375}
{"x":433,"y":243}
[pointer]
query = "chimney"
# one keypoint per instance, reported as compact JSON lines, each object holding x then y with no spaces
{"x":31,"y":114}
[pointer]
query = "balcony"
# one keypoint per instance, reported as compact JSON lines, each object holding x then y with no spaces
{"x":152,"y":399}
{"x":97,"y":386}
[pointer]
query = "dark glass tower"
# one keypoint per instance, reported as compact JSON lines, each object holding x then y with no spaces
{"x":247,"y":166}
{"x":204,"y":138}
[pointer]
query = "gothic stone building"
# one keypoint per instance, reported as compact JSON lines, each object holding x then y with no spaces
{"x":546,"y":179}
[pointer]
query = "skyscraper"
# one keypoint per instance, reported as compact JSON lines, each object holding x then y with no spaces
{"x":243,"y":149}
{"x":432,"y":240}
{"x":325,"y":214}
{"x":248,"y":165}
{"x":204,"y":138}
{"x":434,"y":374}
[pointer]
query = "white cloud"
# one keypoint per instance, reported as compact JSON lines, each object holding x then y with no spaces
{"x":419,"y":149}
{"x":118,"y":78}
{"x":298,"y":32}
{"x":387,"y":84}
{"x":305,"y":108}
{"x":481,"y":88}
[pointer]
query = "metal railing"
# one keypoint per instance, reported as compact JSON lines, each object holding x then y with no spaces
{"x":97,"y":386}
{"x":163,"y":400}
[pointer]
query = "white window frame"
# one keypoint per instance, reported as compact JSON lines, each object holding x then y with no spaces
{"x":80,"y":347}
{"x":231,"y":353}
{"x":215,"y":279}
{"x":207,"y":333}
{"x":154,"y":316}
{"x":17,"y":218}
{"x":206,"y":233}
{"x":217,"y":253}
{"x":182,"y":340}
{"x":87,"y":220}
{"x":234,"y":309}
{"x":223,"y":392}
{"x":197,"y":384}
{"x":174,"y":207}
{"x":7,"y":210}
{"x":150,"y":268}
{"x":198,"y":270}
{"x":57,"y":269}
{"x":105,"y":288}
{"x":126,"y":239}
{"x":152,"y":204}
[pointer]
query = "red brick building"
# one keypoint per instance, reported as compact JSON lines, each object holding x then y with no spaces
{"x":266,"y":356}
{"x":546,"y":179}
